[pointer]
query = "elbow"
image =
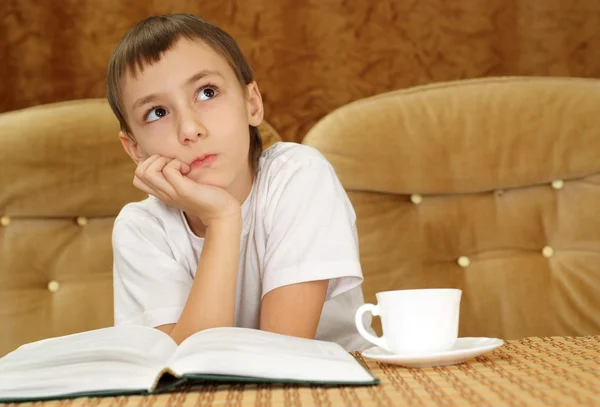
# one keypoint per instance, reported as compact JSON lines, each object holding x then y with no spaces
{"x":180,"y":333}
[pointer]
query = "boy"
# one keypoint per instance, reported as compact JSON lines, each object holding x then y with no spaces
{"x":230,"y":235}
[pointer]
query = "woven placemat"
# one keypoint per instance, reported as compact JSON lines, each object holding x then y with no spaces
{"x":555,"y":371}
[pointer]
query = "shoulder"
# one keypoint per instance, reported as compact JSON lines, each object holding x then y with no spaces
{"x":289,"y":154}
{"x":284,"y":160}
{"x":293,"y":178}
{"x":149,"y":214}
{"x":149,"y":211}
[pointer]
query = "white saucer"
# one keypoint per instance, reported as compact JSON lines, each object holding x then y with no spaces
{"x":463,"y":349}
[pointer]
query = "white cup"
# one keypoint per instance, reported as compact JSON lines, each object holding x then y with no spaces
{"x":414,"y":321}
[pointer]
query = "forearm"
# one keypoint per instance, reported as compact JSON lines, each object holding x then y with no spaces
{"x":211,"y":302}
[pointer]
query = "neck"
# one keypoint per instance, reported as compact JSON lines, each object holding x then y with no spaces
{"x":240,"y":188}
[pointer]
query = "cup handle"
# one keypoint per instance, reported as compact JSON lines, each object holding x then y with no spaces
{"x":374,"y":310}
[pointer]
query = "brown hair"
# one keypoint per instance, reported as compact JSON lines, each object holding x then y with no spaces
{"x":145,"y":44}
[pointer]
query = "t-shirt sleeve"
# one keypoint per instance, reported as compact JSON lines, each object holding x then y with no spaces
{"x":150,"y":286}
{"x":311,"y":228}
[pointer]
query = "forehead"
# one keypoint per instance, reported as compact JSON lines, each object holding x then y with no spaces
{"x":184,"y":59}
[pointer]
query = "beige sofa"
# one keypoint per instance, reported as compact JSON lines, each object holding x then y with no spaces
{"x":488,"y":185}
{"x":492,"y":186}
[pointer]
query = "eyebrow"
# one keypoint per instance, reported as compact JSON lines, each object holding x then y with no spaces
{"x":194,"y":78}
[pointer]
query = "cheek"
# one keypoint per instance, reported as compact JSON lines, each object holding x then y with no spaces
{"x":155,"y":139}
{"x":234,"y":126}
{"x":163,"y":148}
{"x":238,"y":141}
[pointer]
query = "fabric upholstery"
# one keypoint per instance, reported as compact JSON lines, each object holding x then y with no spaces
{"x":63,"y":178}
{"x":489,"y":185}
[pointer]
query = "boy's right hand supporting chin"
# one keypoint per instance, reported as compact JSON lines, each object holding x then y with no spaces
{"x":165,"y":178}
{"x":211,"y":301}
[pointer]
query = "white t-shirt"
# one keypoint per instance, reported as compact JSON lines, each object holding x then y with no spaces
{"x":298,"y":226}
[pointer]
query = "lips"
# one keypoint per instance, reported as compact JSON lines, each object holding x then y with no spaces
{"x":204,"y":161}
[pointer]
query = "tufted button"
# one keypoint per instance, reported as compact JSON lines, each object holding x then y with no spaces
{"x":416,"y":199}
{"x":558,"y":184}
{"x":82,"y":221}
{"x":499,"y":192}
{"x":464,"y":261}
{"x":53,"y":286}
{"x":4,"y":221}
{"x":548,"y":251}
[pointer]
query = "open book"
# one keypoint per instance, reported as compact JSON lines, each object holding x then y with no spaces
{"x":140,"y":360}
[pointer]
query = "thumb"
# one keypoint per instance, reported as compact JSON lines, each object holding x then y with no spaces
{"x":175,"y":170}
{"x":184,"y":168}
{"x":180,"y":166}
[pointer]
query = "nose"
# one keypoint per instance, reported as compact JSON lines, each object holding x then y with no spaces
{"x":190,"y":127}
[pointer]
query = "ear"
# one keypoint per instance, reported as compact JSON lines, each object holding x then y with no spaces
{"x":131,"y":147}
{"x":254,"y":104}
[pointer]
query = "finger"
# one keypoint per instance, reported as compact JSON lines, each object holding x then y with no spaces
{"x":176,"y":167}
{"x":143,"y":166}
{"x":141,"y":185}
{"x":155,"y":178}
{"x":184,"y":168}
{"x":157,"y":165}
{"x":138,"y":183}
{"x":174,"y":174}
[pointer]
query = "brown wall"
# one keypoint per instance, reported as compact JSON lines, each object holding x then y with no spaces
{"x":310,"y":56}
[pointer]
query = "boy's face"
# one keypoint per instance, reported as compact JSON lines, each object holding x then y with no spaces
{"x":190,"y":105}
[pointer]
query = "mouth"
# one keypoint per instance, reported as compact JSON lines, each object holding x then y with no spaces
{"x":203,"y":161}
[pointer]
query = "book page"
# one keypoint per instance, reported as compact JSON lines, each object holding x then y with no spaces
{"x":124,"y":357}
{"x":255,"y":353}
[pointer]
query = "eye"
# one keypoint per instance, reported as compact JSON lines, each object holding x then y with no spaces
{"x":154,"y":114}
{"x":207,"y":92}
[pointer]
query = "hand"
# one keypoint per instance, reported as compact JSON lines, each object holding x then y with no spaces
{"x":165,"y":178}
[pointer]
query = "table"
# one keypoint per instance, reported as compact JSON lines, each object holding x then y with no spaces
{"x":554,"y":371}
